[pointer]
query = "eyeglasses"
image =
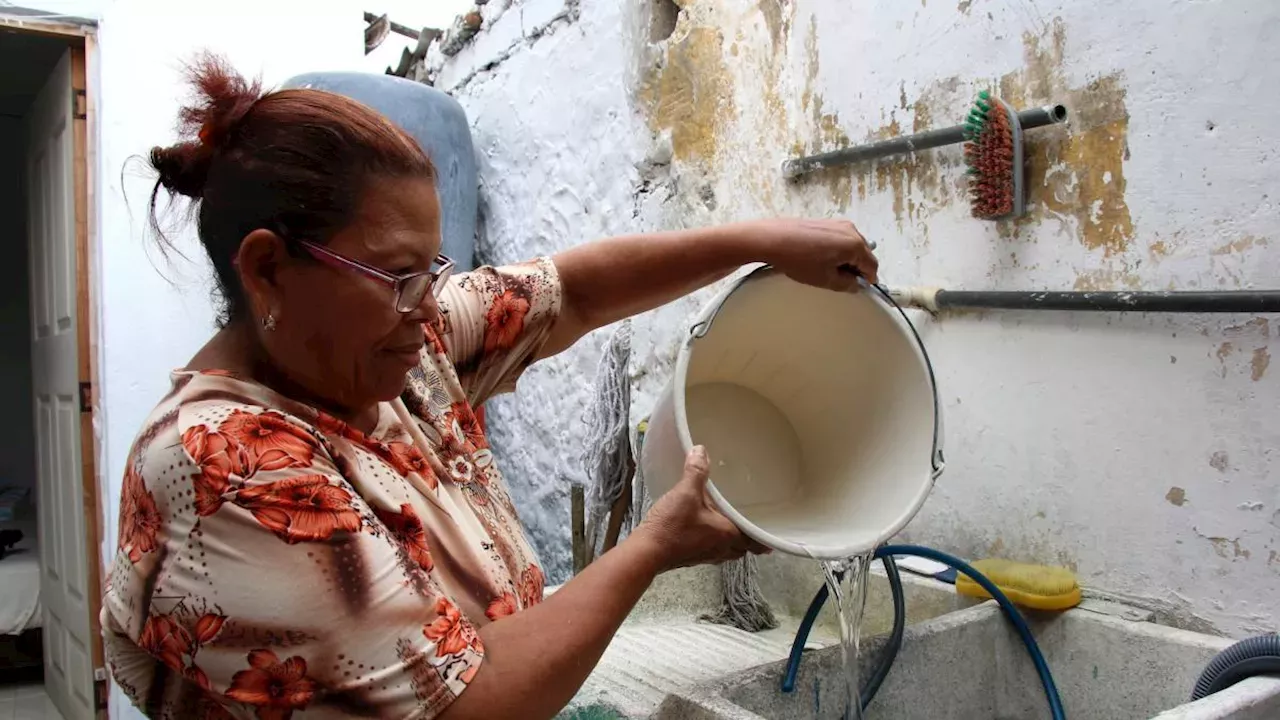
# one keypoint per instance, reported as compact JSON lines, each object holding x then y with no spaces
{"x":410,"y":288}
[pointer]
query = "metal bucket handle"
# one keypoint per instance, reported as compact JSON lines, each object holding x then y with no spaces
{"x":937,"y":460}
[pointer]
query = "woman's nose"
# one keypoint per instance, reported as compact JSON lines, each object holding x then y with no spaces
{"x":427,"y":311}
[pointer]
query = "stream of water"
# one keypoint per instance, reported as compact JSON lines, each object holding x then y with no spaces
{"x":847,"y":586}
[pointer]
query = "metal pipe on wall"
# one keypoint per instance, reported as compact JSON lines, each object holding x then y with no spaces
{"x":1231,"y":301}
{"x":1028,"y":119}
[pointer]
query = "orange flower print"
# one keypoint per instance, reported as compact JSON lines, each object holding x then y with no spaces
{"x":275,"y":688}
{"x":197,"y":676}
{"x":215,"y":453}
{"x":209,"y":493}
{"x":460,"y":468}
{"x":466,"y":676}
{"x":483,"y":460}
{"x":505,"y":321}
{"x":301,"y":508}
{"x":433,"y":340}
{"x":462,"y":414}
{"x":406,"y":458}
{"x":166,"y":640}
{"x":270,"y":441}
{"x":207,"y":627}
{"x":532,"y":583}
{"x":139,"y":517}
{"x":451,"y":632}
{"x":501,"y":607}
{"x":218,"y":458}
{"x":407,"y":527}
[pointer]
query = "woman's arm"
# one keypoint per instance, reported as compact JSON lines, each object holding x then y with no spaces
{"x":608,"y":280}
{"x":536,"y":659}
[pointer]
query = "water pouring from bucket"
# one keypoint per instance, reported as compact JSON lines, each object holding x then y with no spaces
{"x":818,"y":409}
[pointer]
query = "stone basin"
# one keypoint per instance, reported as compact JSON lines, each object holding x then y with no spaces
{"x":960,"y":659}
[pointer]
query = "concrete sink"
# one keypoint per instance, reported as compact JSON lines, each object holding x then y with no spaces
{"x":960,"y":660}
{"x":971,"y":665}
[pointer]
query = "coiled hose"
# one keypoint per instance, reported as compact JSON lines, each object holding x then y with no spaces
{"x":1252,"y":656}
{"x":891,"y":650}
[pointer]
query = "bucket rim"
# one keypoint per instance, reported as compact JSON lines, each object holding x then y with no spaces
{"x":886,"y":303}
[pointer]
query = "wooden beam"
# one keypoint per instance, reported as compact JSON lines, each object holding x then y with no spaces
{"x":66,"y":31}
{"x":619,"y":510}
{"x":83,"y":116}
{"x":578,"y":527}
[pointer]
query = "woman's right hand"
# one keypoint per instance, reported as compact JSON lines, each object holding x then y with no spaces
{"x":684,"y":526}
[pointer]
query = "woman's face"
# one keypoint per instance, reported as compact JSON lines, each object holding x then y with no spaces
{"x":337,"y":333}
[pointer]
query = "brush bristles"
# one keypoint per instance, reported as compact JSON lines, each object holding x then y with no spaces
{"x":989,"y":155}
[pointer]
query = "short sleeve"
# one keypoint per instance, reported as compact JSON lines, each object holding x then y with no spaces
{"x":494,"y":322}
{"x":252,"y":576}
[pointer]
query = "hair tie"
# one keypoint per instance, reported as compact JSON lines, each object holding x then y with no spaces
{"x":206,"y":131}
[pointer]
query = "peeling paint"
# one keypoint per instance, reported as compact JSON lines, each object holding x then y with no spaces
{"x":1107,"y":279}
{"x":1259,"y":326}
{"x":1239,"y":245}
{"x":1076,"y":171}
{"x":1219,"y":461}
{"x":1176,"y":496}
{"x":964,"y":6}
{"x":918,"y":183}
{"x":690,"y":95}
{"x":829,"y":134}
{"x":1258,"y":365}
{"x":772,"y":12}
{"x":1229,"y":548}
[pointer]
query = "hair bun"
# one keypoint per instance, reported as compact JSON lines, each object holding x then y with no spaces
{"x":222,"y":97}
{"x":183,"y":168}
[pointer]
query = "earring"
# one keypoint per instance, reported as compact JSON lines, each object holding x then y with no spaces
{"x":269,"y":322}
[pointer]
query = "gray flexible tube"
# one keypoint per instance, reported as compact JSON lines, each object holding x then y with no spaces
{"x":1252,"y":656}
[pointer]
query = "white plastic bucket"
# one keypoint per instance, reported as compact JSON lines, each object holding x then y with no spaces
{"x":818,"y":409}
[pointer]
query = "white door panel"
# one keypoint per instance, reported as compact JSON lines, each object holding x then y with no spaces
{"x":64,"y":586}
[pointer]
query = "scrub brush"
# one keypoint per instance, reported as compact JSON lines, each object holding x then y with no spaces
{"x":1038,"y":587}
{"x":993,"y":152}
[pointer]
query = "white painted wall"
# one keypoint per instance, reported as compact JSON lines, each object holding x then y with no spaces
{"x":151,"y":325}
{"x":1139,"y":449}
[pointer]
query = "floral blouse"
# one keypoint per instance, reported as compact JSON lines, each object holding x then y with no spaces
{"x":274,"y":562}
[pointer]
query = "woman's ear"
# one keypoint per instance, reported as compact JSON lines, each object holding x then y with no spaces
{"x":259,"y":260}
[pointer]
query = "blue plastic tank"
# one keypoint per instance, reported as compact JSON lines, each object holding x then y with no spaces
{"x":439,"y":124}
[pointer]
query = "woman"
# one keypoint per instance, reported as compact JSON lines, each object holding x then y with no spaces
{"x":312,"y":524}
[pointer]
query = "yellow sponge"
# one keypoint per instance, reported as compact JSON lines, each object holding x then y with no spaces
{"x":1033,"y":586}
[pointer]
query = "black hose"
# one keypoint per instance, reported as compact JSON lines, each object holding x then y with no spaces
{"x":895,"y":636}
{"x":1252,"y":656}
{"x":1230,"y":301}
{"x":890,"y":653}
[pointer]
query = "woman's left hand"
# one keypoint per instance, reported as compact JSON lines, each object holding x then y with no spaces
{"x":829,"y":254}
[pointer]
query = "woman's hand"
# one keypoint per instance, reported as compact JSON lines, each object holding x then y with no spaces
{"x":829,"y":254}
{"x":684,"y":528}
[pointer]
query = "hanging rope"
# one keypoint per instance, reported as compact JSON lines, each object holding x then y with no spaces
{"x":606,"y":458}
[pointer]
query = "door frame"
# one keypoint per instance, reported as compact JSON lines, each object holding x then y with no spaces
{"x":82,"y":44}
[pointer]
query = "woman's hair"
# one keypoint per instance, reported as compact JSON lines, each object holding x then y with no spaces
{"x":298,"y":159}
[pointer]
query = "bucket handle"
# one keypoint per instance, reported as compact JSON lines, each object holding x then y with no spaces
{"x":938,"y":459}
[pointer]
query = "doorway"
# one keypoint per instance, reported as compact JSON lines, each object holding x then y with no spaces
{"x":49,"y":575}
